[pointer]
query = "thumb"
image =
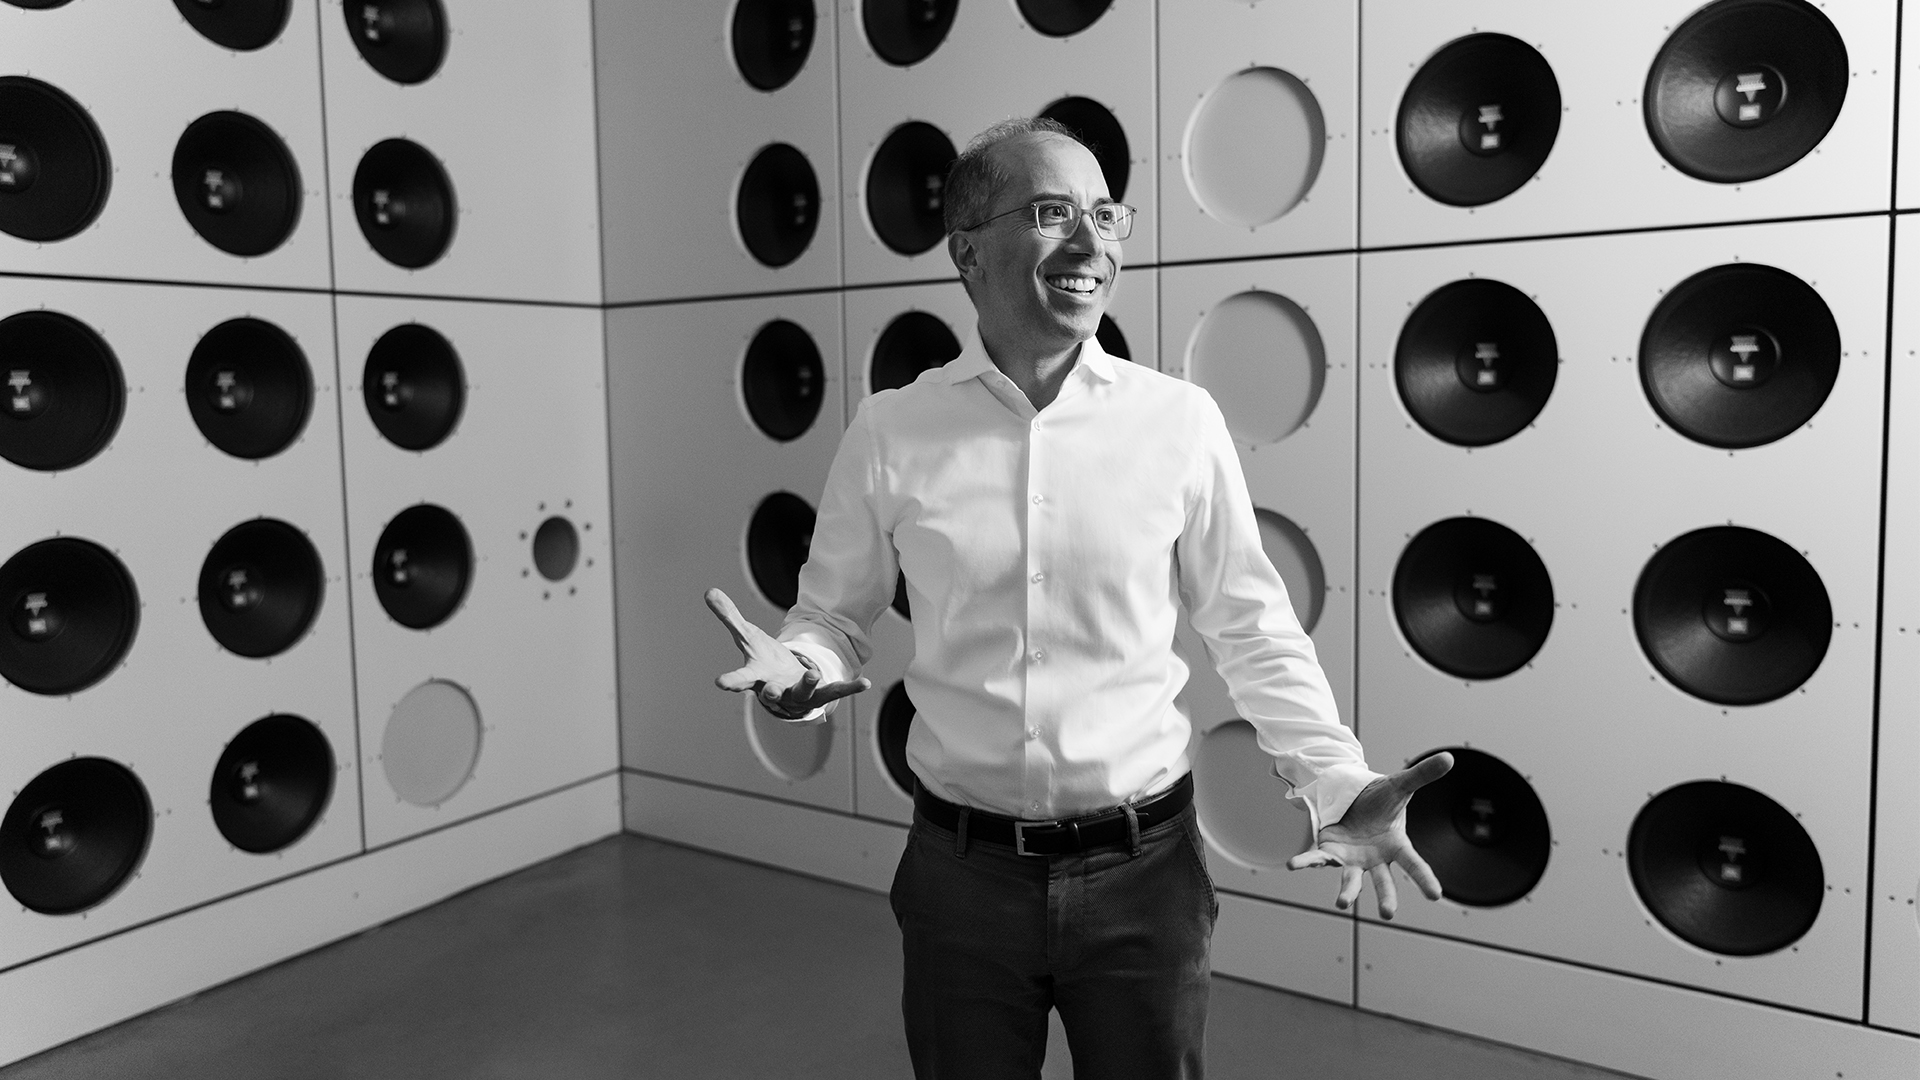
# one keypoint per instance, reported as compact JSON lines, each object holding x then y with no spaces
{"x":738,"y":680}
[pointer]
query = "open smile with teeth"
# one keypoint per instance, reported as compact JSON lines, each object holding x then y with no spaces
{"x":1073,"y":283}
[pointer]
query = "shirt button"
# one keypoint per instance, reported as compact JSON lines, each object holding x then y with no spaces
{"x":1039,"y":654}
{"x":1033,"y":733}
{"x":1033,"y":806}
{"x":1036,"y":425}
{"x":1038,"y":499}
{"x":1039,"y":577}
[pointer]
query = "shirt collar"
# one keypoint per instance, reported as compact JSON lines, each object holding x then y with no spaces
{"x":974,"y":362}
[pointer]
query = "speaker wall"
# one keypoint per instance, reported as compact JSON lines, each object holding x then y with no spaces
{"x":236,"y":183}
{"x":1472,"y":598}
{"x":778,"y":207}
{"x":260,"y":588}
{"x":404,"y":40}
{"x":1476,"y":362}
{"x":1482,"y":830}
{"x":404,"y":203}
{"x":249,"y":388}
{"x":914,"y":342}
{"x":74,"y":835}
{"x":772,"y":40}
{"x":54,"y":169}
{"x":1478,"y":119}
{"x":413,"y":386}
{"x":71,"y":613}
{"x":422,"y":566}
{"x":905,"y":32}
{"x":271,"y":783}
{"x":906,"y":187}
{"x":778,"y":535}
{"x":239,"y":26}
{"x":783,"y":380}
{"x":64,"y":394}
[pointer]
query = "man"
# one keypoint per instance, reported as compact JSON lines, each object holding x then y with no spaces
{"x":1051,"y":507}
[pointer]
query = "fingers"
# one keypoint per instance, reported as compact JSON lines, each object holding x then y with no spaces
{"x":738,"y":680}
{"x":1422,"y":874}
{"x":1349,"y":887}
{"x":1424,"y":772}
{"x":802,"y":691}
{"x":1384,"y":892}
{"x":1313,"y":857}
{"x":834,"y":691}
{"x":722,"y":605}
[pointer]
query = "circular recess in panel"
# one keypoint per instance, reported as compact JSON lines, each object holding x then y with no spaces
{"x":54,"y":171}
{"x":1294,"y":556}
{"x":778,"y":537}
{"x":1061,"y":18}
{"x":431,"y":743}
{"x":1111,"y":339}
{"x":890,"y":738}
{"x":249,"y":388}
{"x":783,"y":380}
{"x":1472,"y":598}
{"x":422,"y":566}
{"x":556,"y":548}
{"x":1732,"y":615}
{"x":1243,"y":806}
{"x":71,"y":611}
{"x":777,"y":207}
{"x":1478,"y":119}
{"x":1739,"y":355}
{"x":38,"y":5}
{"x":915,"y":341}
{"x":405,"y":40}
{"x":1096,"y":126}
{"x":404,"y":203}
{"x":61,"y":391}
{"x":413,"y":386}
{"x":242,"y":25}
{"x":1254,"y":147}
{"x":1261,"y":358}
{"x":1745,"y":88}
{"x":905,"y":32}
{"x":771,"y":40}
{"x":906,"y":187}
{"x":237,"y":183}
{"x":900,"y":602}
{"x":74,"y":835}
{"x":1725,"y":868}
{"x":271,"y":783}
{"x":792,"y":752}
{"x":1476,"y":362}
{"x":1482,"y":829}
{"x":260,"y":588}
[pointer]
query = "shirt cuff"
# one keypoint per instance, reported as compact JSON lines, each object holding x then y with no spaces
{"x":1328,"y":796}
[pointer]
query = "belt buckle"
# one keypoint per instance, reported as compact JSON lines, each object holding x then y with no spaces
{"x":1020,"y":835}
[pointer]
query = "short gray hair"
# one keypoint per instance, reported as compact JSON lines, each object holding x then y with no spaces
{"x":975,"y":179}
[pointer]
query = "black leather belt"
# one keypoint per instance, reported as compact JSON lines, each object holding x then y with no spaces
{"x":1065,"y":836}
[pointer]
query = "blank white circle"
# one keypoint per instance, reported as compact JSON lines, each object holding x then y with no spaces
{"x":1261,"y":357}
{"x":1254,"y":146}
{"x":1294,"y":556}
{"x":1243,"y":806}
{"x":792,"y":752}
{"x":431,"y":743}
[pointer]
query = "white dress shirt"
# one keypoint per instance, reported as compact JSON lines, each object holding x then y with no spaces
{"x":1046,"y":555}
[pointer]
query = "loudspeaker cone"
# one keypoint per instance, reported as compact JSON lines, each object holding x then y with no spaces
{"x":237,"y":183}
{"x":74,"y":835}
{"x":783,"y":380}
{"x":1482,"y":829}
{"x":54,"y":171}
{"x":1061,"y":18}
{"x":1725,"y":868}
{"x":771,"y":40}
{"x":905,"y":32}
{"x":1472,"y":598}
{"x":1476,"y":362}
{"x":915,"y":341}
{"x":1739,"y":355}
{"x":242,"y":25}
{"x":1111,"y":339}
{"x":896,"y":717}
{"x":778,"y":538}
{"x":1745,"y":88}
{"x":61,"y":391}
{"x":1478,"y":119}
{"x":413,"y":386}
{"x":260,"y":588}
{"x":900,"y":601}
{"x":422,"y":565}
{"x":906,"y":187}
{"x":404,"y":203}
{"x":1093,"y":124}
{"x":1732,"y":615}
{"x":405,"y":40}
{"x":71,"y":611}
{"x":249,"y":388}
{"x":556,"y":548}
{"x":778,"y":205}
{"x":271,"y":783}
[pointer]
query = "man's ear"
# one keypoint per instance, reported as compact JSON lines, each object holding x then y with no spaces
{"x":965,"y":255}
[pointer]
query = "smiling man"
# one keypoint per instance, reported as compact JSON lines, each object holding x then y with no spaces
{"x":1052,"y":507}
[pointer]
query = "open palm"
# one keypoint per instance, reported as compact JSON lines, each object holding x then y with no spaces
{"x":780,"y":679}
{"x":1372,"y":836}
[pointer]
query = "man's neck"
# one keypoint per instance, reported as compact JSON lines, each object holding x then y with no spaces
{"x":1038,"y":372}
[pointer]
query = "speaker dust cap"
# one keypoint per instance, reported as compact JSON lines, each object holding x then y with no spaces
{"x":237,"y":183}
{"x":905,"y":32}
{"x":783,"y":380}
{"x":778,"y":537}
{"x":777,"y":208}
{"x":1472,"y":598}
{"x":906,"y":187}
{"x":1726,"y":868}
{"x":422,"y":566}
{"x":241,"y":25}
{"x":1482,"y":829}
{"x":1476,"y":362}
{"x":1096,"y":127}
{"x":1254,"y":146}
{"x":771,"y":40}
{"x":404,"y":40}
{"x":260,"y":588}
{"x":74,"y":835}
{"x":915,"y":341}
{"x":890,"y":738}
{"x":404,"y":203}
{"x":271,"y":783}
{"x":431,"y":743}
{"x":1745,"y":88}
{"x":1261,"y":357}
{"x":1478,"y":120}
{"x":413,"y":386}
{"x":1739,"y":355}
{"x":249,"y":388}
{"x":54,"y":171}
{"x":61,"y":391}
{"x":71,"y":611}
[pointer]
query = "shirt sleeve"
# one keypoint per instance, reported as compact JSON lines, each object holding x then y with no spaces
{"x":1239,"y":606}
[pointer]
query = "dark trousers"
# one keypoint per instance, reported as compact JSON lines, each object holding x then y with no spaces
{"x":1117,"y":942}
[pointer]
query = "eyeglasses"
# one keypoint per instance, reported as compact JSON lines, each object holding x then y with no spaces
{"x":1058,"y":219}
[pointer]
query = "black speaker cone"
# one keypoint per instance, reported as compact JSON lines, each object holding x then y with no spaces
{"x":1061,"y":18}
{"x":1745,"y":88}
{"x":61,"y":391}
{"x":74,"y":835}
{"x":896,"y":717}
{"x":1111,"y":339}
{"x":405,"y":40}
{"x":71,"y":611}
{"x":771,"y":40}
{"x":271,"y":783}
{"x":778,"y":206}
{"x":783,"y":380}
{"x":404,"y":203}
{"x":906,"y":187}
{"x":422,"y":565}
{"x":1725,"y":868}
{"x":237,"y":183}
{"x":1096,"y":126}
{"x":1739,"y":355}
{"x":242,"y":25}
{"x":904,"y":32}
{"x":1478,"y":119}
{"x":915,"y":341}
{"x":54,"y":171}
{"x":249,"y":388}
{"x":1732,"y":615}
{"x":413,"y":386}
{"x":1476,"y":362}
{"x":1472,"y":598}
{"x":260,"y":588}
{"x":778,"y":538}
{"x":1482,"y":829}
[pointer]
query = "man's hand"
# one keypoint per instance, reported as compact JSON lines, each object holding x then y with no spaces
{"x":1373,"y":836}
{"x":785,"y":684}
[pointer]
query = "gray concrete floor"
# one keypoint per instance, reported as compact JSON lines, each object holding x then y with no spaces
{"x":633,"y":958}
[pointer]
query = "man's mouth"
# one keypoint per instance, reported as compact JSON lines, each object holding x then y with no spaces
{"x":1073,"y":283}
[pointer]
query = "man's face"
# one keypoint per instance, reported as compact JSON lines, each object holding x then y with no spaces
{"x":1032,"y":288}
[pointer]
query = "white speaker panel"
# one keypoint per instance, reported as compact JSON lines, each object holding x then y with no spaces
{"x":158,"y":497}
{"x":680,"y":124}
{"x":1317,"y":47}
{"x":1596,"y":485}
{"x":677,"y":398}
{"x":144,"y":74}
{"x":990,"y":66}
{"x":1603,"y":171}
{"x":509,"y":116}
{"x":534,"y":655}
{"x":1906,"y":183}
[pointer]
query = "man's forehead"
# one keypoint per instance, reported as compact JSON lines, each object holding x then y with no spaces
{"x":1037,"y":164}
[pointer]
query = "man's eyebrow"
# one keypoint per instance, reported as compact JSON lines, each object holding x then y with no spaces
{"x":1062,"y":196}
